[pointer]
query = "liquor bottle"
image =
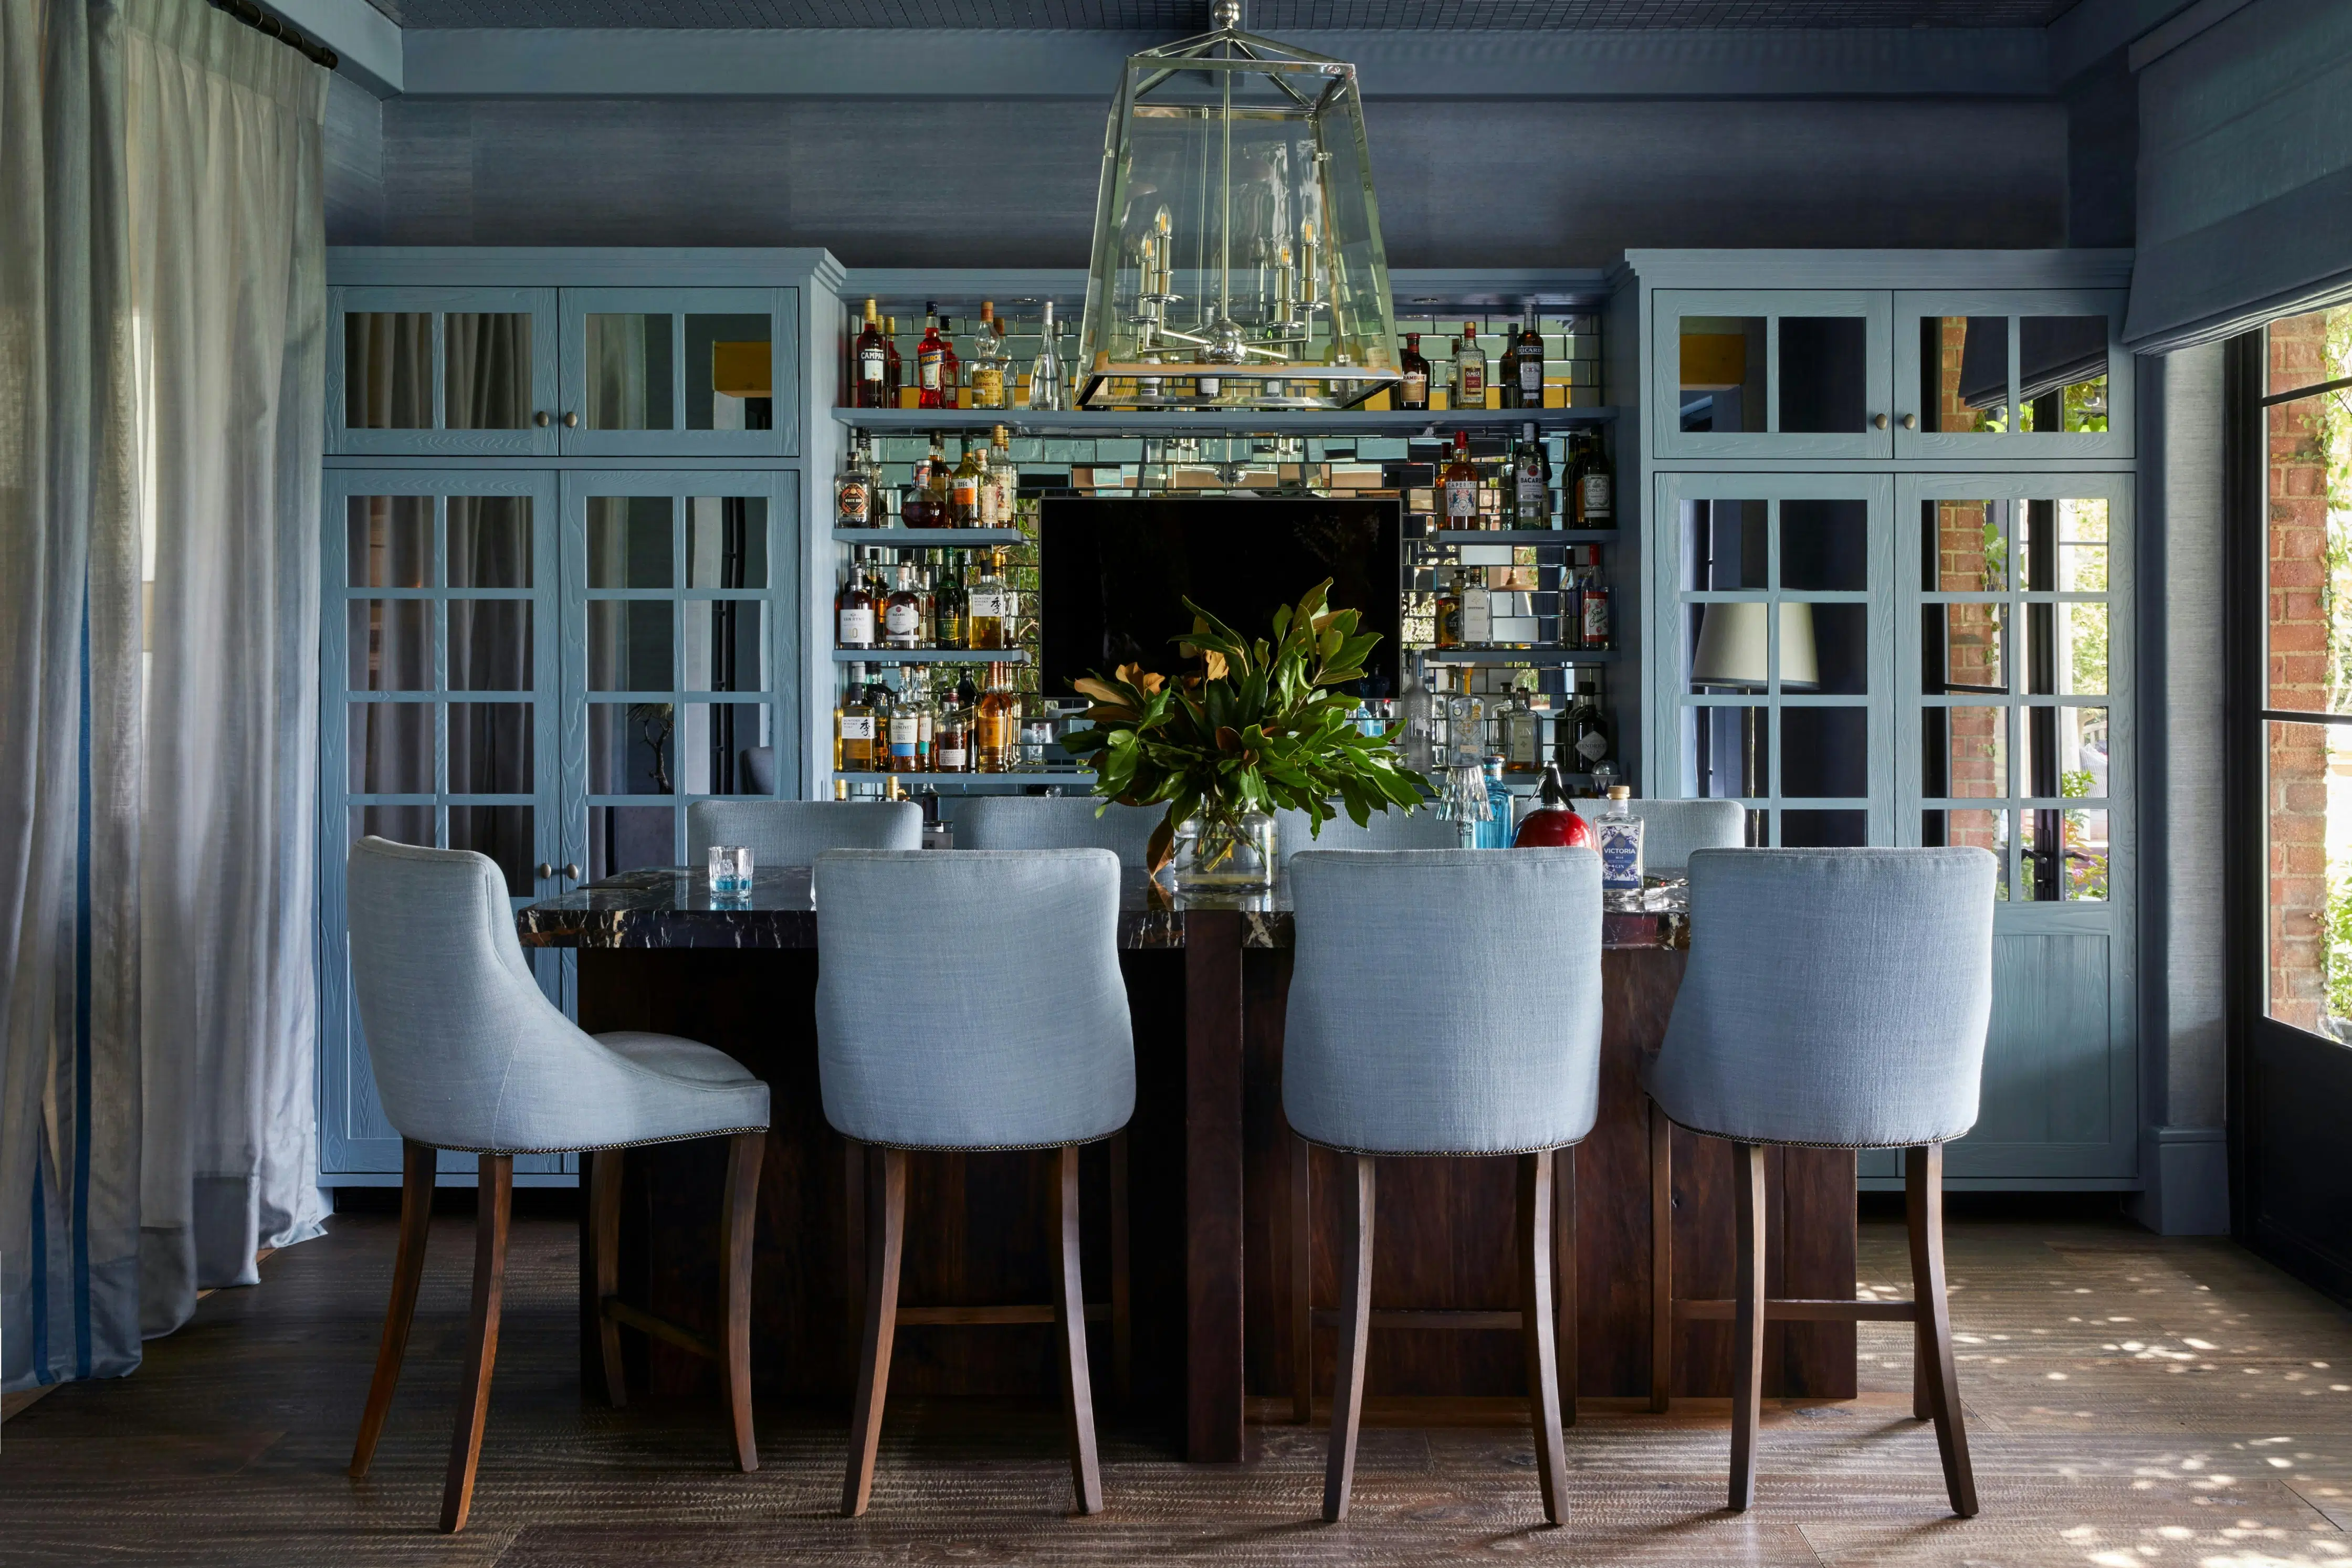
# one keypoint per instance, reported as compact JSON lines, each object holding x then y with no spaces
{"x":933,"y":360}
{"x":1531,"y":482}
{"x":939,"y":483}
{"x":1523,"y":368}
{"x":1495,"y":833}
{"x":852,"y":725}
{"x":997,"y":727}
{"x":951,"y":736}
{"x":915,"y":501}
{"x":927,"y":603}
{"x":1046,"y":370}
{"x":984,"y":381}
{"x":1580,"y":739}
{"x":910,"y":724}
{"x":1414,"y":392}
{"x":1592,"y":614}
{"x":1522,"y":735}
{"x":1619,"y":833}
{"x":1000,"y":501}
{"x":947,"y":604}
{"x":1415,"y":740}
{"x":894,"y":369}
{"x":965,"y":485}
{"x":992,"y":607}
{"x":1461,"y":479}
{"x":879,"y":699}
{"x":1478,"y":609}
{"x":1594,"y":485}
{"x":853,"y":490}
{"x":871,"y":356}
{"x":1449,"y":606}
{"x":1554,"y":824}
{"x":902,"y":612}
{"x":1469,"y":368}
{"x":1036,"y":733}
{"x":852,"y":606}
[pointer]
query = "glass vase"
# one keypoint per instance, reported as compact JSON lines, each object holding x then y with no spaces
{"x":1217,"y":852}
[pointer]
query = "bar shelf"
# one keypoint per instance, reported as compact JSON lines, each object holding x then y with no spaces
{"x":1519,"y":537}
{"x":1128,"y":423}
{"x":1517,"y":655}
{"x":930,"y":655}
{"x":929,"y":538}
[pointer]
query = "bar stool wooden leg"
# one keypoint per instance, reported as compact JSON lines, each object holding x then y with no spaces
{"x":493,"y":1197}
{"x":1070,"y":1313}
{"x":1355,"y":1337}
{"x":1661,"y":1259}
{"x":886,"y":1217}
{"x":1563,"y":1223}
{"x":1535,"y":1325}
{"x":738,"y":1227}
{"x":1122,"y":1277}
{"x":417,"y":1167}
{"x":1923,"y":1201}
{"x":604,"y":1237}
{"x":1302,"y":1281}
{"x":1747,"y":1321}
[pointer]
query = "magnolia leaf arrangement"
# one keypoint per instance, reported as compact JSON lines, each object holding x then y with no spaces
{"x":1261,"y":727}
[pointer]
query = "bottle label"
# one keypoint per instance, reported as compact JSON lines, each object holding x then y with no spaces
{"x":967,"y":493}
{"x":951,"y":756}
{"x":857,"y":726}
{"x":988,"y":387}
{"x":1477,"y":618}
{"x":1416,"y":387}
{"x":1621,"y":855}
{"x":1473,"y":377}
{"x":1461,"y":502}
{"x":904,"y":733}
{"x":1531,"y":378}
{"x":869,"y":363}
{"x":1596,"y":496}
{"x":990,"y":606}
{"x":1596,"y":618}
{"x":857,"y":628}
{"x":929,"y":365}
{"x":899,"y":622}
{"x":1592,"y":746}
{"x":850,"y":503}
{"x":951,"y":630}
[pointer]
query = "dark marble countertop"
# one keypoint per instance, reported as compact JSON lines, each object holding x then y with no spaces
{"x":673,"y":907}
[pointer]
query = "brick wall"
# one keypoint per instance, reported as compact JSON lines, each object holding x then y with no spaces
{"x":2298,"y":678}
{"x":1972,"y":652}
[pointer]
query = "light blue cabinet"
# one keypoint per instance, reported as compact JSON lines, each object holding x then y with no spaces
{"x":1772,"y":372}
{"x":441,"y":371}
{"x":680,"y":373}
{"x":2039,"y":375}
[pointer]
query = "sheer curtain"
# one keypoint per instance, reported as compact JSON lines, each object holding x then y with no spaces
{"x":162,"y":307}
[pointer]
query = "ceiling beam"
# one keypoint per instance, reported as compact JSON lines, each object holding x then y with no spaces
{"x":1764,"y":62}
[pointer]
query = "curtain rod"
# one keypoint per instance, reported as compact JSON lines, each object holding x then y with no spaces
{"x":261,"y":21}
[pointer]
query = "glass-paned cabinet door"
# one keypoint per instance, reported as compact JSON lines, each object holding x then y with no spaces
{"x":441,"y":371}
{"x":1777,"y":673}
{"x":680,"y":371}
{"x":680,"y":676}
{"x":2033,"y":373}
{"x":1790,"y":372}
{"x":439,"y":722}
{"x":2014,"y":733}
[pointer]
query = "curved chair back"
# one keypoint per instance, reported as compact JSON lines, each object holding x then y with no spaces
{"x":1056,"y":823}
{"x":1671,"y":830}
{"x":759,"y":766}
{"x":794,"y":832}
{"x":1835,"y":997}
{"x":972,"y":1000}
{"x":1444,"y":1001}
{"x":470,"y":1054}
{"x":1391,"y":830}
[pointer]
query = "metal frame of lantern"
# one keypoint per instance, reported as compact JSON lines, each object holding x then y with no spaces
{"x":1224,"y":364}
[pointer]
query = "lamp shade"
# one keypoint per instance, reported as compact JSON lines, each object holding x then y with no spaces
{"x":1731,"y":649}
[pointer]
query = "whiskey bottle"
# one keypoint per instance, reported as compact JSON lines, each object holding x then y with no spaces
{"x":934,"y":362}
{"x":1449,"y":606}
{"x":951,"y":736}
{"x":996,"y":729}
{"x":1046,"y":370}
{"x":947,"y":604}
{"x":852,"y":725}
{"x":853,"y":489}
{"x":1478,"y":609}
{"x":1469,"y":368}
{"x":927,"y":601}
{"x":902,"y":612}
{"x":879,"y":698}
{"x":1595,"y":487}
{"x":998,"y":502}
{"x":965,"y":486}
{"x":1460,"y":480}
{"x":910,"y":724}
{"x":939,"y":483}
{"x":1531,"y":482}
{"x":993,"y":606}
{"x":1523,"y":368}
{"x":915,"y":502}
{"x":871,"y":356}
{"x":1414,"y":391}
{"x":984,"y":381}
{"x":852,"y":606}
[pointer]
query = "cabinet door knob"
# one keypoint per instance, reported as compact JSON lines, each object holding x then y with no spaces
{"x":1910,"y":421}
{"x":1878,"y":421}
{"x":540,"y":419}
{"x":571,"y":421}
{"x":572,"y":871}
{"x":545,"y":871}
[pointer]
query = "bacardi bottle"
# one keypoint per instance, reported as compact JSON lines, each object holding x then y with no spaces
{"x":1530,"y":499}
{"x":1523,"y":368}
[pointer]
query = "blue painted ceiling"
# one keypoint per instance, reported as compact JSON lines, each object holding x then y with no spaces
{"x":1178,"y":17}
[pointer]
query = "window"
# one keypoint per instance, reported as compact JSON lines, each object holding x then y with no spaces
{"x":2306,"y":463}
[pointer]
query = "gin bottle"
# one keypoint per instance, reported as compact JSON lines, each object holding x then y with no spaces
{"x":1046,"y":370}
{"x":1619,"y":833}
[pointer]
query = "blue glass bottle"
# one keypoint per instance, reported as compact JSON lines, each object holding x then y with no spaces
{"x":1495,"y":833}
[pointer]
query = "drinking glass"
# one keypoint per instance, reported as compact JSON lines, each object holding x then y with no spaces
{"x":730,"y":872}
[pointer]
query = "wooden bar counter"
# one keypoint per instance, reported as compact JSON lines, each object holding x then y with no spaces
{"x":1214,"y":1175}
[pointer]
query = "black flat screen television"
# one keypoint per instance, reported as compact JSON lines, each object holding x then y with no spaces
{"x":1113,"y":575}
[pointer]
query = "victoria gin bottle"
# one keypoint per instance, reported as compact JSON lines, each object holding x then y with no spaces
{"x":1523,"y":368}
{"x":853,"y":490}
{"x":1461,"y":481}
{"x":996,"y":729}
{"x":853,"y":608}
{"x":1469,"y":368}
{"x":985,"y":382}
{"x":852,"y":725}
{"x":992,"y":606}
{"x":871,"y":360}
{"x":1595,"y":487}
{"x":1414,"y":391}
{"x":1619,"y":833}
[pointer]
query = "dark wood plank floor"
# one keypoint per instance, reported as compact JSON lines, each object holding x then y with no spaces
{"x":2131,"y":1400}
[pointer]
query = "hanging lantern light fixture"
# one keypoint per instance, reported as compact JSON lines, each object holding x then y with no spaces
{"x":1237,"y":259}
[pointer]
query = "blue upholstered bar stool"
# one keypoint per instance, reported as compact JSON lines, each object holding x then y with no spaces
{"x":1056,"y":823}
{"x":469,"y":1054}
{"x":794,"y":832}
{"x":1671,"y":830}
{"x":1835,"y":998}
{"x":1446,"y":1003}
{"x":1007,"y":1029}
{"x":1421,"y":829}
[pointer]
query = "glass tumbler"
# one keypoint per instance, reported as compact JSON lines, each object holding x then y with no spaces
{"x":730,"y":872}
